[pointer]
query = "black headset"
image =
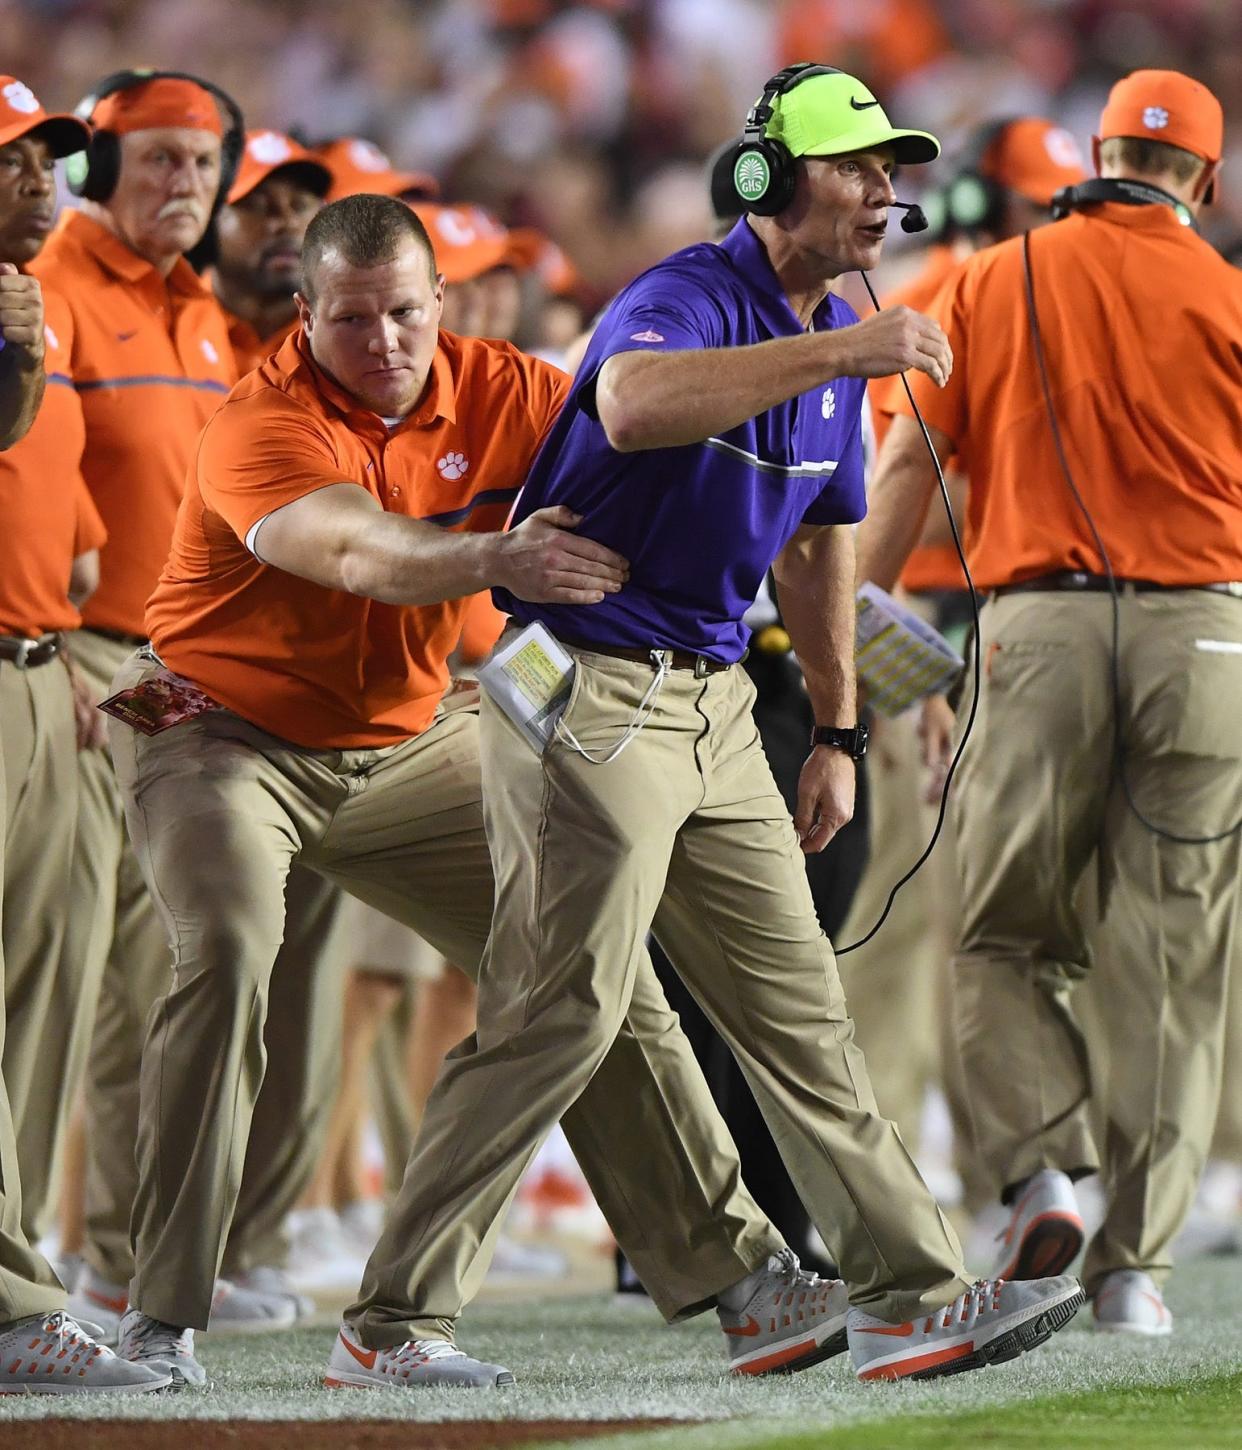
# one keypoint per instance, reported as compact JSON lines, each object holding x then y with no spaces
{"x":1116,"y":189}
{"x":93,"y":174}
{"x":764,"y":169}
{"x":969,"y":201}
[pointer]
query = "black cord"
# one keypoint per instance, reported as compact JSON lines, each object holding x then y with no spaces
{"x":1114,"y":594}
{"x":974,"y":699}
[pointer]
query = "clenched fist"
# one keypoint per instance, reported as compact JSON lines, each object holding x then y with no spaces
{"x":21,"y":312}
{"x":896,"y":339}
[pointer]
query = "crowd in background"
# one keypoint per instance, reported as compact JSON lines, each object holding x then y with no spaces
{"x":591,"y":119}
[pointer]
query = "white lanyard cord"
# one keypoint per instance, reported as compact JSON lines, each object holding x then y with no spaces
{"x":641,"y":715}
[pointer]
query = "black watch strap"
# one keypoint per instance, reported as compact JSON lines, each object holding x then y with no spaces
{"x":851,"y":742}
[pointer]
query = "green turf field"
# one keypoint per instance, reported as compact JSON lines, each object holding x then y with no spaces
{"x":584,"y":1359}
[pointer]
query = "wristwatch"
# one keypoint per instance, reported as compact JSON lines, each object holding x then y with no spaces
{"x":851,"y":742}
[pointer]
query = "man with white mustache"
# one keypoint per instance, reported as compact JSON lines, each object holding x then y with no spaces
{"x":151,"y":362}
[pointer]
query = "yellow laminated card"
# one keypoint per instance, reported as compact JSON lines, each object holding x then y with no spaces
{"x":899,"y":657}
{"x":530,"y":678}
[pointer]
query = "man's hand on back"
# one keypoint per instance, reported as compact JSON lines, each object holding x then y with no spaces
{"x":895,"y":339}
{"x":544,"y":562}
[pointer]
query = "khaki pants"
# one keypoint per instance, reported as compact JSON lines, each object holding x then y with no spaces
{"x":40,"y":760}
{"x":686,"y":830}
{"x":1037,"y":794}
{"x":27,"y":1284}
{"x":117,"y":951}
{"x":219,"y":810}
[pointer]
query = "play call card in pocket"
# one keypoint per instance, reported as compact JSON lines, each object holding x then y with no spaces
{"x":160,"y":702}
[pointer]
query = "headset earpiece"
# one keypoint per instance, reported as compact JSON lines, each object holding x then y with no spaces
{"x":764,"y":170}
{"x":971,"y":202}
{"x":93,"y":174}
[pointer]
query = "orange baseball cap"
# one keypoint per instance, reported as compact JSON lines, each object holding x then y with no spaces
{"x":267,"y":152}
{"x":358,"y":165}
{"x":1034,"y":158}
{"x":161,"y":101}
{"x":21,"y":113}
{"x":467,"y":242}
{"x":531,"y":251}
{"x":1165,"y":105}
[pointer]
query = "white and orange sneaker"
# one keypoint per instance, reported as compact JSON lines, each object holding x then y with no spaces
{"x":1044,"y":1233}
{"x":52,"y":1354}
{"x":416,"y":1364}
{"x":990,"y":1323}
{"x":97,"y":1302}
{"x":791,"y":1320}
{"x":1128,"y":1302}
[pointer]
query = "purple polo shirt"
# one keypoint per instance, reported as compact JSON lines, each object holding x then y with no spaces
{"x":699,"y":524}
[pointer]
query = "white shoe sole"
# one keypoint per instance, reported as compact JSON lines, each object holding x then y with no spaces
{"x":797,"y":1352}
{"x":344,"y":1380}
{"x":153,"y":1387}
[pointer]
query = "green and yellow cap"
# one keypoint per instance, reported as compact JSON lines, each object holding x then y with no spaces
{"x":829,"y":115}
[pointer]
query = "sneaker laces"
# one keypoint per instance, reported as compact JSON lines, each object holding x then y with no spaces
{"x":418,"y":1351}
{"x":983,"y":1297}
{"x":69,"y":1334}
{"x":786,"y":1265}
{"x":158,"y":1340}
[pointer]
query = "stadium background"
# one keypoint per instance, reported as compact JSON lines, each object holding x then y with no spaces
{"x":592,"y":121}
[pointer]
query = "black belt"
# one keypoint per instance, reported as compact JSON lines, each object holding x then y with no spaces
{"x":26,"y":654}
{"x":135,"y":641}
{"x":678,"y":659}
{"x":1076,"y":583}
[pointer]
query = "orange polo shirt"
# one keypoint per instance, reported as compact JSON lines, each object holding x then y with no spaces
{"x":318,"y":666}
{"x":151,"y":362}
{"x":1142,"y":328}
{"x":46,"y":515}
{"x":930,"y":566}
{"x":249,"y":349}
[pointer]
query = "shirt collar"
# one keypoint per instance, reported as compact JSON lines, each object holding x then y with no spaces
{"x":750,"y":257}
{"x":114,"y":256}
{"x":438,"y":399}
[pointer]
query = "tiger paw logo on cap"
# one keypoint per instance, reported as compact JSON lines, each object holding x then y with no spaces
{"x":21,"y":98}
{"x":268,"y":148}
{"x":751,"y":176}
{"x":1155,"y":118}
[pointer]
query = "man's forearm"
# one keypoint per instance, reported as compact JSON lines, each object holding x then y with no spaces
{"x":667,"y":400}
{"x":897,"y":501}
{"x":21,"y":392}
{"x":398,"y":560}
{"x":815,"y":584}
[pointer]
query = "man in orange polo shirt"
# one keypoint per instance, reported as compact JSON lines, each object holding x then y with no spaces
{"x":45,"y":524}
{"x":342,"y":506}
{"x":1003,"y":183}
{"x":54,"y":533}
{"x":150,"y":360}
{"x":1107,"y":723}
{"x":257,"y":268}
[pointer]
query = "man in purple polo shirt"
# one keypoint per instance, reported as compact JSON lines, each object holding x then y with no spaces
{"x":713,"y":433}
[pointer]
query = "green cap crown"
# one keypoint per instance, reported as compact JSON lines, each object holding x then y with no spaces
{"x":828,"y":115}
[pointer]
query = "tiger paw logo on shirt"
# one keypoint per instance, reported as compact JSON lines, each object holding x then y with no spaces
{"x":453,"y":465}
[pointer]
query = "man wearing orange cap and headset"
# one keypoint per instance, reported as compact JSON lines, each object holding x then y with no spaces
{"x":41,"y":515}
{"x":257,"y":268}
{"x":1095,"y":405}
{"x":150,"y":361}
{"x":1002,"y":184}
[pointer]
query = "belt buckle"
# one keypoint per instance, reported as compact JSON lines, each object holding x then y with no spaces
{"x":25,"y":649}
{"x":702,"y":666}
